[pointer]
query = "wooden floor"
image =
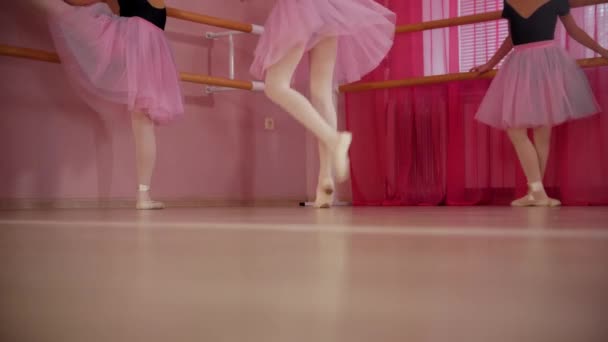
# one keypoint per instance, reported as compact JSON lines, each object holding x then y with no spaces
{"x":487,"y":274}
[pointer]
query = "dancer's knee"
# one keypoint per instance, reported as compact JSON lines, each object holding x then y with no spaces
{"x":275,"y":89}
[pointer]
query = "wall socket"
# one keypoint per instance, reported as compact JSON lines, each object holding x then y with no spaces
{"x":269,"y":124}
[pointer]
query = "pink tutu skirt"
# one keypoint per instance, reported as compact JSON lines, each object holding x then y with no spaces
{"x":364,"y":28}
{"x":539,"y":85}
{"x":117,"y":63}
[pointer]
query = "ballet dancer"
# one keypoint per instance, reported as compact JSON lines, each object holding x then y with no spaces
{"x":123,"y":61}
{"x":346,"y":39}
{"x":539,"y":86}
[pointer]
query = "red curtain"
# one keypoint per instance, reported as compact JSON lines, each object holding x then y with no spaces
{"x":421,"y":145}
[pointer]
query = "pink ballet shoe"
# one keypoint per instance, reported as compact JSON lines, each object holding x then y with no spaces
{"x":144,"y":202}
{"x":554,"y":202}
{"x":341,"y":160}
{"x":149,"y":205}
{"x":530,"y":200}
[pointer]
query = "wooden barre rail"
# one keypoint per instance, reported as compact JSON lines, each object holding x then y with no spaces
{"x":52,"y":57}
{"x":208,"y":20}
{"x":476,"y":18}
{"x":463,"y":76}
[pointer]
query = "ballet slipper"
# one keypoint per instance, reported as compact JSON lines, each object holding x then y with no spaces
{"x":144,"y":202}
{"x":554,"y":202}
{"x":149,"y":205}
{"x":325,"y":194}
{"x":341,"y":160}
{"x":530,"y":201}
{"x":536,"y":197}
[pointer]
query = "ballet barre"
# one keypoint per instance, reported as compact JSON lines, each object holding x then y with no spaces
{"x":476,"y":18}
{"x":214,"y":21}
{"x":46,"y":56}
{"x":52,"y":57}
{"x":462,"y":76}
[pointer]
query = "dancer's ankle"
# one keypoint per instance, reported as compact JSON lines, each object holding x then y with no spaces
{"x":143,"y":193}
{"x":537,"y":190}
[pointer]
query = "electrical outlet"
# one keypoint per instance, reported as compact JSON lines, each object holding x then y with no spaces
{"x":269,"y":124}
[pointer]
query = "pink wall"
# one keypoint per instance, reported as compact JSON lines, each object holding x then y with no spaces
{"x":53,"y":147}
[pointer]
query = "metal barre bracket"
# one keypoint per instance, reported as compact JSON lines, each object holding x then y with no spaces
{"x":257,"y":86}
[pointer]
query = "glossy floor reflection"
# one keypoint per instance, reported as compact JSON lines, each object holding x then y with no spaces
{"x":486,"y":274}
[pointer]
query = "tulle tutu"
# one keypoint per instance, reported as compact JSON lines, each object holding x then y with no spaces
{"x":364,"y":28}
{"x":539,"y":85}
{"x":118,"y":63}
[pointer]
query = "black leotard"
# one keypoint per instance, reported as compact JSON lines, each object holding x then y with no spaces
{"x":143,"y":9}
{"x":539,"y":26}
